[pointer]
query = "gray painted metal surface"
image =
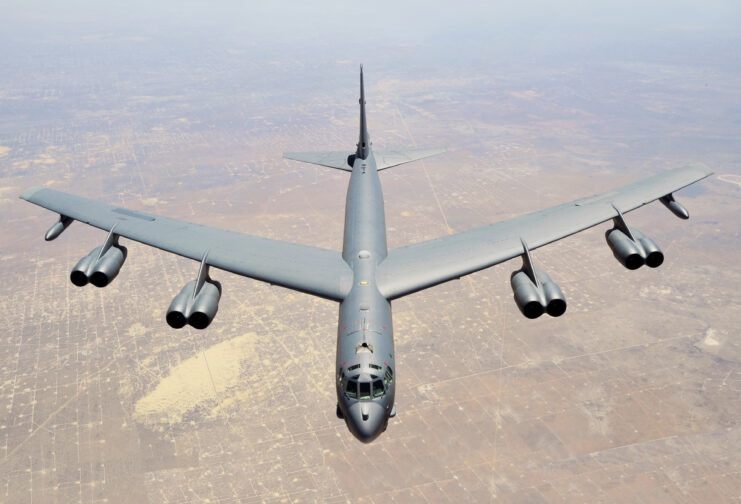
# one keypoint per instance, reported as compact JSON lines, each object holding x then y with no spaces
{"x":365,"y":277}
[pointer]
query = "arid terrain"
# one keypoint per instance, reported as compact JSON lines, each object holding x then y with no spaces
{"x":634,"y":395}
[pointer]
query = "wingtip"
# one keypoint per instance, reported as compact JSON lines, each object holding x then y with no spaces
{"x":28,"y":193}
{"x":701,"y":167}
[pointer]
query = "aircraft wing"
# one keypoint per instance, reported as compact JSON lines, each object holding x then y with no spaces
{"x":415,"y":267}
{"x":394,"y":158}
{"x":299,"y":267}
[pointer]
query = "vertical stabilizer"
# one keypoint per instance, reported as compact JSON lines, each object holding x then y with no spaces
{"x":364,"y":140}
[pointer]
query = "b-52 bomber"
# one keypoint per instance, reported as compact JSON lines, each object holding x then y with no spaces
{"x":366,"y":277}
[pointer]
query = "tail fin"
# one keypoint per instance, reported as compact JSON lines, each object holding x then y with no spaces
{"x":345,"y":161}
{"x":364,"y":140}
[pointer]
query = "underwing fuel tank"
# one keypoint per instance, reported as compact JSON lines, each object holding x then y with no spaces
{"x":634,"y":253}
{"x":58,"y":228}
{"x":97,"y":269}
{"x":535,"y":299}
{"x":197,"y":309}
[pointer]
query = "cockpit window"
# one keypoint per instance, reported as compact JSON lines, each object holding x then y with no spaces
{"x":365,"y":390}
{"x":377,"y":388}
{"x":388,"y":377}
{"x":352,"y":389}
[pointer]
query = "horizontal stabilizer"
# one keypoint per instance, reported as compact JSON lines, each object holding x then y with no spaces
{"x":336,"y":160}
{"x":394,"y":158}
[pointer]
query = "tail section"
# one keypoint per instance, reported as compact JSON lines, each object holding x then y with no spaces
{"x":364,"y":139}
{"x":395,"y":158}
{"x":339,"y":160}
{"x":345,"y":160}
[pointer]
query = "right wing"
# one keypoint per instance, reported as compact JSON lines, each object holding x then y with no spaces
{"x":415,"y":267}
{"x":303,"y":268}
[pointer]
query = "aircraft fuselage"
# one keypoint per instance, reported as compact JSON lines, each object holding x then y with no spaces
{"x":365,"y":342}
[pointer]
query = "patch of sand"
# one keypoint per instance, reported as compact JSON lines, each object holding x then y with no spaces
{"x":710,"y":339}
{"x":4,"y":150}
{"x":197,"y":382}
{"x":730,"y":178}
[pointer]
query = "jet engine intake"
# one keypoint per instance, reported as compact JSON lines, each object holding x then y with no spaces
{"x":99,"y":270}
{"x":535,"y":299}
{"x":195,"y":308}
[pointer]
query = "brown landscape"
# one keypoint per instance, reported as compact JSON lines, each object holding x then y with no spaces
{"x":632,"y":396}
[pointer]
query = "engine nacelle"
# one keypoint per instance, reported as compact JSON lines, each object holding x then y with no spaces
{"x":528,"y":297}
{"x":78,"y":275}
{"x":533,"y":300}
{"x":198,"y":310}
{"x":654,"y":255}
{"x":555,"y":302}
{"x":634,"y":253}
{"x":629,"y":253}
{"x":99,"y":272}
{"x":108,"y":266}
{"x":177,"y":313}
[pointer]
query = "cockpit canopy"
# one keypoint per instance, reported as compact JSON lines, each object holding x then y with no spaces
{"x":363,"y":387}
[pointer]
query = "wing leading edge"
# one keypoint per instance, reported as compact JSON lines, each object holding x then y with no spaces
{"x":415,"y":267}
{"x":303,"y":268}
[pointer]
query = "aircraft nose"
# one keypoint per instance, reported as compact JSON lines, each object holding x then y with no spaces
{"x":367,"y":420}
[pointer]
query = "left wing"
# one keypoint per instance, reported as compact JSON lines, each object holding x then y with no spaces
{"x":415,"y":267}
{"x":303,"y":268}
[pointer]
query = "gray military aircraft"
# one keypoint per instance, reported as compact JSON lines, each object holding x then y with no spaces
{"x":366,"y":276}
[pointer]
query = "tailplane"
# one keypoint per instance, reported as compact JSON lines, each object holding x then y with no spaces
{"x":395,"y":158}
{"x":340,"y":160}
{"x":343,"y":160}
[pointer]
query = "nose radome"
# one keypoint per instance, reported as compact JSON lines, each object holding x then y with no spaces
{"x":367,"y":419}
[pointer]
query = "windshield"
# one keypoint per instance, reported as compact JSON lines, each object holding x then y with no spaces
{"x":378,"y":388}
{"x":363,"y":390}
{"x":352,"y":389}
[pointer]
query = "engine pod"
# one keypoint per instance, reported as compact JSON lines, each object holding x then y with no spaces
{"x":177,"y":312}
{"x":79,"y":274}
{"x":528,"y":297}
{"x":108,"y":266}
{"x":205,"y":306}
{"x":629,"y":253}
